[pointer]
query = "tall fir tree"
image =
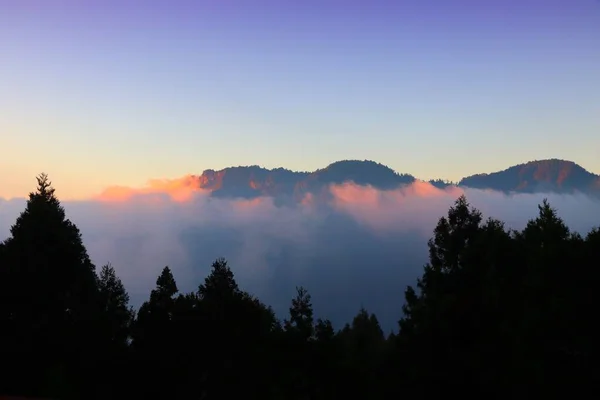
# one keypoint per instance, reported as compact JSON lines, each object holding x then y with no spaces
{"x":52,"y":295}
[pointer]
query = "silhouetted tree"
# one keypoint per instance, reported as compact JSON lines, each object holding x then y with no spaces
{"x":116,"y":321}
{"x":118,"y":316}
{"x":301,"y":316}
{"x":299,"y":349}
{"x":362,"y":355}
{"x":237,"y":330}
{"x":154,"y":339}
{"x":551,"y":295}
{"x":324,"y":331}
{"x":51,"y":297}
{"x":447,"y":332}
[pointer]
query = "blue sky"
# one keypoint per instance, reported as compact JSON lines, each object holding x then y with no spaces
{"x":116,"y":92}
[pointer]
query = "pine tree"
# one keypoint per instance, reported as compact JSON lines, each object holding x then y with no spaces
{"x":237,"y":331}
{"x":300,"y":330}
{"x":220,"y":284}
{"x":301,"y":321}
{"x":155,"y":339}
{"x":154,"y":315}
{"x":51,"y":291}
{"x":440,"y":321}
{"x":114,"y":300}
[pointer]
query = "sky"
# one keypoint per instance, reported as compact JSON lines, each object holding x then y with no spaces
{"x":115,"y":92}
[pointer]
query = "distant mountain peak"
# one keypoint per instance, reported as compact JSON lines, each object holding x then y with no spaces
{"x":254,"y":180}
{"x":548,"y":175}
{"x":355,"y":162}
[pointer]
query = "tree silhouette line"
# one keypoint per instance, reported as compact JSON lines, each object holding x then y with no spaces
{"x":496,"y":313}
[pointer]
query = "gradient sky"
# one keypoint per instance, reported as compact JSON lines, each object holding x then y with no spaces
{"x":116,"y":92}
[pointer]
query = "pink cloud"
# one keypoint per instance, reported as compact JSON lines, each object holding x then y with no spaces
{"x":178,"y":190}
{"x":410,"y":207}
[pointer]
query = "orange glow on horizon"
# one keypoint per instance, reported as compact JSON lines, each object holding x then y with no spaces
{"x":179,"y":190}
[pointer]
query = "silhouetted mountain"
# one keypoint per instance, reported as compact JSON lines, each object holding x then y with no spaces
{"x":441,"y":183}
{"x":251,"y":181}
{"x":551,"y":175}
{"x":254,"y":181}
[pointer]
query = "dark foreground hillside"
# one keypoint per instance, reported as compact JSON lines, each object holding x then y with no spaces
{"x":496,"y":313}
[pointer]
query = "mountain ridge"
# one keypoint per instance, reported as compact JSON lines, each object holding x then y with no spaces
{"x":547,"y":175}
{"x":553,"y":175}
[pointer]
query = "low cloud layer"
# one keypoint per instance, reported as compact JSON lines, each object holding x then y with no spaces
{"x":360,"y":247}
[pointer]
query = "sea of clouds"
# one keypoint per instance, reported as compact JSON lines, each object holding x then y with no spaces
{"x":360,"y":248}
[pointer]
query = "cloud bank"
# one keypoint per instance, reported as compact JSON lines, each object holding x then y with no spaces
{"x":359,"y":247}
